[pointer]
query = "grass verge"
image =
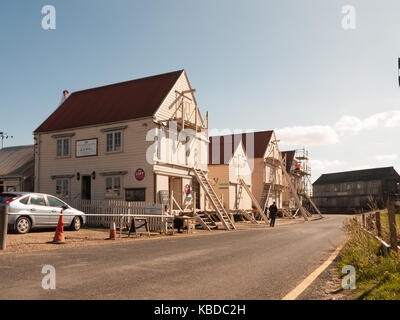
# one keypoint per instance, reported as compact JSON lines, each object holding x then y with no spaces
{"x":377,"y":277}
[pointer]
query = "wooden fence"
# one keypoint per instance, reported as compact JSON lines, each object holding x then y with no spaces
{"x":371,"y":222}
{"x":109,"y":209}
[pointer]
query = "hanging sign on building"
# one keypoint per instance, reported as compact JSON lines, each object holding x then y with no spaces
{"x":139,"y":174}
{"x":86,"y":148}
{"x":187,"y":191}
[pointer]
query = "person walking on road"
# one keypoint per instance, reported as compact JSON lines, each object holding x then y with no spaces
{"x":273,"y":210}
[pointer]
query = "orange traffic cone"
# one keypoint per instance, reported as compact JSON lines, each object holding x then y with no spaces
{"x":113,"y":230}
{"x":59,"y":235}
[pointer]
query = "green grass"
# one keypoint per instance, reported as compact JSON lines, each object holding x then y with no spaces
{"x":385,"y":225}
{"x":377,"y":277}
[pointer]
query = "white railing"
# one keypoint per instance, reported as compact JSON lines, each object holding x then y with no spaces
{"x":101,"y":212}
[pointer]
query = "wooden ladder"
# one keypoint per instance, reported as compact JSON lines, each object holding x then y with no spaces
{"x":313,"y":204}
{"x":216,"y":203}
{"x":205,"y":221}
{"x":238,"y":196}
{"x":253,"y":199}
{"x":249,"y":217}
{"x":265,"y":195}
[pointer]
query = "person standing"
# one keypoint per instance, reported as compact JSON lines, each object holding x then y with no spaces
{"x":273,"y":210}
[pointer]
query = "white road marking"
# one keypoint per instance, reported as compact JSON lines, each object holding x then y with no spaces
{"x":292,"y":295}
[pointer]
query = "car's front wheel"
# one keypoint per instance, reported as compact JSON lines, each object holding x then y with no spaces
{"x":76,"y":224}
{"x":23,"y":225}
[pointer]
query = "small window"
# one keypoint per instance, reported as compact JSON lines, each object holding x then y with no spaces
{"x":24,"y":200}
{"x":109,"y":142}
{"x":117,"y":141}
{"x":113,"y":187}
{"x":38,"y":200}
{"x":59,"y":148}
{"x":135,"y":194}
{"x":62,"y":188}
{"x":63,"y":147}
{"x":114,"y":142}
{"x":54,"y":202}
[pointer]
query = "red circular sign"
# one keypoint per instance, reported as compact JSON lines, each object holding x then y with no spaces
{"x":139,"y":174}
{"x":187,"y":189}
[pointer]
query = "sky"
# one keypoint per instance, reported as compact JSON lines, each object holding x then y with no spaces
{"x":287,"y":65}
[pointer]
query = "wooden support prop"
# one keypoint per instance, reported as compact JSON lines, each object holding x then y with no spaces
{"x":176,"y":203}
{"x":378,"y":223}
{"x":3,"y":226}
{"x":313,"y":205}
{"x":392,"y":224}
{"x":171,"y":203}
{"x":194,"y":202}
{"x":254,"y":200}
{"x":363,"y":220}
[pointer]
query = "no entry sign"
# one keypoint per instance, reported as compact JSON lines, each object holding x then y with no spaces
{"x":139,"y":174}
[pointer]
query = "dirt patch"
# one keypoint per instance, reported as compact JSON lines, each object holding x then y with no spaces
{"x":328,"y":286}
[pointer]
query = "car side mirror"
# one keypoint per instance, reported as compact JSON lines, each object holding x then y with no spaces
{"x":65,"y":207}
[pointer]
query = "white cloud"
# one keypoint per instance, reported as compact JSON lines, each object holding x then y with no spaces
{"x":353,"y":125}
{"x":307,"y":135}
{"x":386,"y":157}
{"x":319,"y":135}
{"x":394,"y":120}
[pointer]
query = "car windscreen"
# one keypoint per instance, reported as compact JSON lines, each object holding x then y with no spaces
{"x":7,"y":196}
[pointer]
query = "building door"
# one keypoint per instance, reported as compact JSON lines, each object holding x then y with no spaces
{"x":176,"y":187}
{"x":86,"y":188}
{"x":196,"y":188}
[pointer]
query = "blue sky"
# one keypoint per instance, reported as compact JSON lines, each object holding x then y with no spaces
{"x":284,"y":64}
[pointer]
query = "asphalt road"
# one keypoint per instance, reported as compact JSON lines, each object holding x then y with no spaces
{"x":254,"y":264}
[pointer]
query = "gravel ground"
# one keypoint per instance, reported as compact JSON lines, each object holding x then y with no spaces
{"x":37,"y":239}
{"x":328,"y":286}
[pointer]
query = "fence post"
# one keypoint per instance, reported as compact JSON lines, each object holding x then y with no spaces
{"x":378,"y":223}
{"x":392,"y":223}
{"x":3,"y":226}
{"x":363,"y":220}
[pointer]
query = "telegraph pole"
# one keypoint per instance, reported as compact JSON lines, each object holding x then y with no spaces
{"x":3,"y":136}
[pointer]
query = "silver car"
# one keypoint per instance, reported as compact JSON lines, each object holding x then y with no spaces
{"x":26,"y":205}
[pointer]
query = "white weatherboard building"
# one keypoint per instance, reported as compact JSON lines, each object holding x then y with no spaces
{"x":228,"y":163}
{"x":118,"y":142}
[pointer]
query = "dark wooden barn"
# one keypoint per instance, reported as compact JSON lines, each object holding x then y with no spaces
{"x":349,"y":192}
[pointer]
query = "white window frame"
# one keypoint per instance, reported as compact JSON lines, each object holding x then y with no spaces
{"x":113,"y":134}
{"x":113,"y":194}
{"x":65,"y":191}
{"x":62,"y":141}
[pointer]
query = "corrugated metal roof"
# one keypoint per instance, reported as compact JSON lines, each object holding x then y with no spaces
{"x":116,"y":102}
{"x":358,"y":175}
{"x":16,"y":161}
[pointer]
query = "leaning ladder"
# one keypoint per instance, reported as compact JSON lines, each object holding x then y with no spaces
{"x":216,"y":203}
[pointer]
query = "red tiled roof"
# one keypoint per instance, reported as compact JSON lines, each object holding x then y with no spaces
{"x":221,"y":141}
{"x":116,"y":102}
{"x":289,"y":158}
{"x":261,"y":142}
